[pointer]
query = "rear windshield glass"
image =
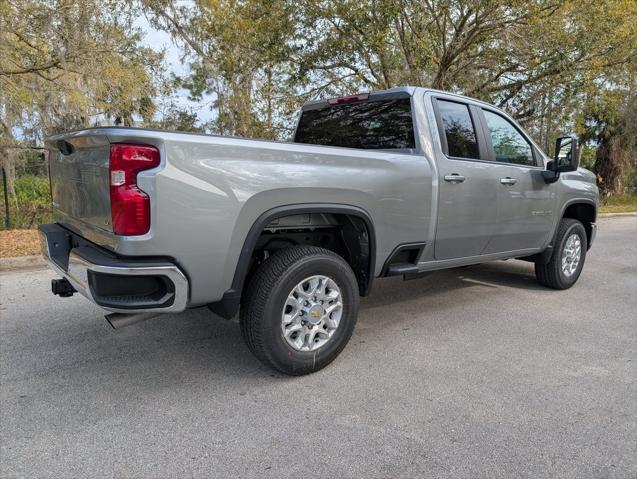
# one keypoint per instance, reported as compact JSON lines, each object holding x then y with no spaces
{"x":378,"y":125}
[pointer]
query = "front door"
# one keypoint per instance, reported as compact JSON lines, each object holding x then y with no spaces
{"x":524,"y":201}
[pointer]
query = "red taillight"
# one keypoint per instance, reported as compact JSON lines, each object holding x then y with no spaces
{"x":130,"y":206}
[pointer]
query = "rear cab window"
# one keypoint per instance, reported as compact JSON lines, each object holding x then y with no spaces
{"x":458,"y":132}
{"x":383,"y":123}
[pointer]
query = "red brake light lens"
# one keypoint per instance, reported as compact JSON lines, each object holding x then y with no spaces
{"x":130,"y":206}
{"x":342,"y":100}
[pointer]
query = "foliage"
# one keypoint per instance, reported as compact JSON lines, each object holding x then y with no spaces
{"x":626,"y":203}
{"x":540,"y":60}
{"x":31,"y":205}
{"x":67,"y":64}
{"x":240,"y":53}
{"x":587,"y":156}
{"x":610,"y":121}
{"x":532,"y":58}
{"x":176,"y":119}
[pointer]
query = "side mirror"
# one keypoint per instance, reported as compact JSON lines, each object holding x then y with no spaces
{"x":566,"y":155}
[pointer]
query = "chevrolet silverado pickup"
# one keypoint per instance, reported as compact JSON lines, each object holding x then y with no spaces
{"x":290,"y":235}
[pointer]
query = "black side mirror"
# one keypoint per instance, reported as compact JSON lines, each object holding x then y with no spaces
{"x":566,"y":159}
{"x":566,"y":154}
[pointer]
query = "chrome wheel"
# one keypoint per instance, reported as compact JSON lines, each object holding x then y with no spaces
{"x":571,"y":255}
{"x":312,"y":313}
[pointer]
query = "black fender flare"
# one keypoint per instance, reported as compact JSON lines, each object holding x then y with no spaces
{"x":228,"y":306}
{"x":545,"y":256}
{"x":573,"y":201}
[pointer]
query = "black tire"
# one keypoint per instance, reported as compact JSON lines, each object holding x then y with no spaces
{"x":551,"y":274}
{"x":264,"y":299}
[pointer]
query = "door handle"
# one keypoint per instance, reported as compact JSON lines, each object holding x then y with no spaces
{"x":508,"y":181}
{"x":454,"y":178}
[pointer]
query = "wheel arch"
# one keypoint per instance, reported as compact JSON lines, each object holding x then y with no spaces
{"x":585,"y":211}
{"x":228,"y":306}
{"x":581,"y":209}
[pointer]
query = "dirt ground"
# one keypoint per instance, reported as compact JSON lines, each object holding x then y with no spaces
{"x":19,"y":243}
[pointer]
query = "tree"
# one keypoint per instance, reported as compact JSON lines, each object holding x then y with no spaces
{"x":261,"y":59}
{"x":239,"y":51}
{"x":66,"y":64}
{"x":610,"y":121}
{"x":517,"y":54}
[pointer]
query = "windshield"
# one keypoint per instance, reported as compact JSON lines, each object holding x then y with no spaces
{"x":379,"y":125}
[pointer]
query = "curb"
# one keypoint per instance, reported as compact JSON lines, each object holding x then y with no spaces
{"x":610,"y":215}
{"x":24,"y":263}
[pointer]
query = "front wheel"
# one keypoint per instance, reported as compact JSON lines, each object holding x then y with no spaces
{"x":299,"y":309}
{"x":567,"y":260}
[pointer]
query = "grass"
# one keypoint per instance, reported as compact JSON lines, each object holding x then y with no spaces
{"x":619,"y":204}
{"x":19,"y":243}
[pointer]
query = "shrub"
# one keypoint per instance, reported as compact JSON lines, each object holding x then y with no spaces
{"x":32,"y":203}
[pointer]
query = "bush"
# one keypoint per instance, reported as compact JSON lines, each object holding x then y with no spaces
{"x":32,"y":203}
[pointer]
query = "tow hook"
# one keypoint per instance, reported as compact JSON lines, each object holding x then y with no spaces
{"x":62,"y":288}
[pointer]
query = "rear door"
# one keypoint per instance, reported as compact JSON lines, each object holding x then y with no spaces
{"x":524,"y":200}
{"x":467,"y":206}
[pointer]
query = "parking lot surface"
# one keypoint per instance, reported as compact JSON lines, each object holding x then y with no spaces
{"x":472,"y":372}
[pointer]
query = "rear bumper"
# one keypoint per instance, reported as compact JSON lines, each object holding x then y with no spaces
{"x":115,"y":284}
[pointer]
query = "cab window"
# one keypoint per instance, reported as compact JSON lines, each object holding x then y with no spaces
{"x":459,"y":130}
{"x":508,"y":143}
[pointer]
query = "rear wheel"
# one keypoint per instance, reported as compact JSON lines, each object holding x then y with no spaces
{"x":569,"y":254}
{"x":299,"y":309}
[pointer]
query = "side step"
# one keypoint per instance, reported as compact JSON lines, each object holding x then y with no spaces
{"x":403,"y":260}
{"x":407,"y":270}
{"x":403,"y":268}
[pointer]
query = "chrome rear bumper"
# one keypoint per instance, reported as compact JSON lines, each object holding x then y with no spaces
{"x":115,"y":284}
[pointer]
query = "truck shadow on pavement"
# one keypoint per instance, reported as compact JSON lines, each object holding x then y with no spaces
{"x":213,"y":346}
{"x":496,"y":275}
{"x":195,"y":347}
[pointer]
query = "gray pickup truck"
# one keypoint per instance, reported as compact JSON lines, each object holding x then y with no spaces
{"x":290,"y":235}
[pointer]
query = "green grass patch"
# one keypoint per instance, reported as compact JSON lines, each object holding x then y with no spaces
{"x":619,"y":204}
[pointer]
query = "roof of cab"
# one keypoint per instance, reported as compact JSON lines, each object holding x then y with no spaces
{"x":389,"y":93}
{"x":397,"y":92}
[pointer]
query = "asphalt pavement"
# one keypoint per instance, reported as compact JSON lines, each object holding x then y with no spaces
{"x":471,"y":372}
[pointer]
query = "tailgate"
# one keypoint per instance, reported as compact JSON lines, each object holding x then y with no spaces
{"x":79,"y":169}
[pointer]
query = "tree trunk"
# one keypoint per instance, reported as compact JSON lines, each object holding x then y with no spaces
{"x":610,"y":167}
